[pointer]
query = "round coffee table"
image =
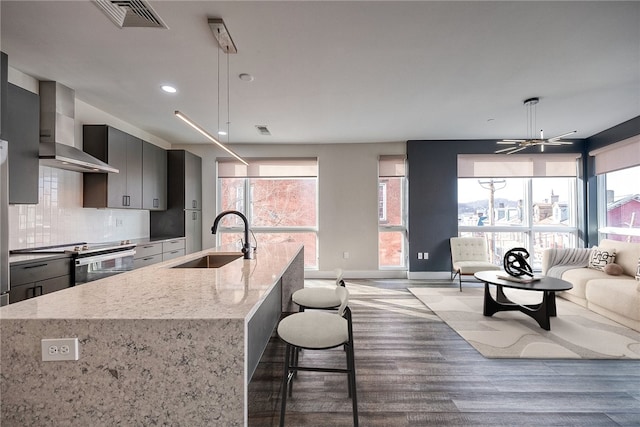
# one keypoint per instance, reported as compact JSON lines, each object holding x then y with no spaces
{"x":540,"y":312}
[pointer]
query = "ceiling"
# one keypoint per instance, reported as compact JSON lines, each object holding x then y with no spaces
{"x":340,"y":72}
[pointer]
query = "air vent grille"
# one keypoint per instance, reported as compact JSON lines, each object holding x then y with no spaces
{"x":130,"y":13}
{"x":263,"y":130}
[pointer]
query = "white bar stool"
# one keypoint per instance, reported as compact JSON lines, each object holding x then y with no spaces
{"x":318,"y":298}
{"x":318,"y":330}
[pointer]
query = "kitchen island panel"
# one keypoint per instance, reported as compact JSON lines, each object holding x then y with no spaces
{"x":173,"y":372}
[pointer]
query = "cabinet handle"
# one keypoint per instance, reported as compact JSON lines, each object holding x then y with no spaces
{"x":194,"y":216}
{"x":36,"y":288}
{"x":33,"y":292}
{"x":174,"y":252}
{"x":156,"y":203}
{"x":128,"y":200}
{"x":194,"y":204}
{"x":35,"y":266}
{"x":124,"y":200}
{"x":147,"y":259}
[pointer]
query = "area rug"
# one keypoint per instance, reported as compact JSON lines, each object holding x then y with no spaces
{"x":576,"y":333}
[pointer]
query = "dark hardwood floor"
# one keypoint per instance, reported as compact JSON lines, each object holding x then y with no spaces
{"x":413,"y":370}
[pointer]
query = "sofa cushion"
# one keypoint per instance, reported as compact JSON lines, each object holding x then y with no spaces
{"x":579,"y":277}
{"x":600,"y":257}
{"x":627,"y":254}
{"x":638,"y":271}
{"x":621,"y":297}
{"x":613,"y":269}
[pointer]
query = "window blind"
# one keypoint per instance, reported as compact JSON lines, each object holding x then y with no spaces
{"x":621,"y":155}
{"x":391,"y":166}
{"x":525,"y":166}
{"x":268,"y":168}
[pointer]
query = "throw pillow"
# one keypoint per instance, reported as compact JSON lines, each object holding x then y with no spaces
{"x":638,"y":271}
{"x":601,"y":257}
{"x":613,"y":269}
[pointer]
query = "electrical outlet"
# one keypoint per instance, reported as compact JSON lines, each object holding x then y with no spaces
{"x":419,"y":255}
{"x":426,"y":255}
{"x":345,"y":255}
{"x":57,"y":349}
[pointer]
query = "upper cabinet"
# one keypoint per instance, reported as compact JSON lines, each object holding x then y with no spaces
{"x":193,"y":178}
{"x":154,"y":177}
{"x":122,"y":151}
{"x":22,"y":130}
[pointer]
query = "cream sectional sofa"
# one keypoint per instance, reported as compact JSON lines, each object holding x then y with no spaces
{"x":615,"y":297}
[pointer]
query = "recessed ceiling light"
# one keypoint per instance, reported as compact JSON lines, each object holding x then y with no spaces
{"x":169,"y":89}
{"x":245,"y":77}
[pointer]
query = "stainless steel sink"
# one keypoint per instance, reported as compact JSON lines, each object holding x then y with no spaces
{"x":210,"y":261}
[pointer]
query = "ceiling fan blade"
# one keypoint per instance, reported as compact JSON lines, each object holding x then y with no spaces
{"x":505,"y":150}
{"x":562,"y":136}
{"x":557,"y":143}
{"x":518,"y":149}
{"x":507,"y":142}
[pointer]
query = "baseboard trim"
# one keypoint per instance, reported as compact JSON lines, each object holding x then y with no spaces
{"x":429,"y":275}
{"x":357,"y":274}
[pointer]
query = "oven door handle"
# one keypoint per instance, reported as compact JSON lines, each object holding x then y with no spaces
{"x":104,"y":257}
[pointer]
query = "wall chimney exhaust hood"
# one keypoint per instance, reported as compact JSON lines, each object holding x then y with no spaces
{"x":57,"y":114}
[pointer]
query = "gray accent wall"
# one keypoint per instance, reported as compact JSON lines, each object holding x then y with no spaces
{"x":433,"y":196}
{"x":433,"y":204}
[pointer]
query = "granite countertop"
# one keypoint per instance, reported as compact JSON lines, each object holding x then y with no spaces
{"x":161,"y":292}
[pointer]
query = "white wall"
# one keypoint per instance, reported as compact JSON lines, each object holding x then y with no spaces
{"x":347,"y":200}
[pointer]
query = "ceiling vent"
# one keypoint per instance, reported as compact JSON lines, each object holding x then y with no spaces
{"x":130,"y":13}
{"x":263,"y":130}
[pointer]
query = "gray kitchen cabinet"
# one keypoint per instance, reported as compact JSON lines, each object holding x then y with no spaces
{"x":173,"y":248}
{"x":154,"y":177}
{"x":39,"y":277}
{"x":122,"y":151}
{"x":4,"y":85}
{"x":147,"y":254}
{"x":183,"y":216}
{"x":23,"y":134}
{"x":192,"y":187}
{"x":193,"y":231}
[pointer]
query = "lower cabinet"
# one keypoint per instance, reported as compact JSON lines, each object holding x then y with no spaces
{"x":32,"y":279}
{"x":147,"y":254}
{"x":154,"y":252}
{"x":173,"y":248}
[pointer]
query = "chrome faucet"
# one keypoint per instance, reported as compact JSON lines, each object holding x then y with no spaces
{"x":247,"y":250}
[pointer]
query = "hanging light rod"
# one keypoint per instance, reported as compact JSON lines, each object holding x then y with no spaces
{"x":210,"y":137}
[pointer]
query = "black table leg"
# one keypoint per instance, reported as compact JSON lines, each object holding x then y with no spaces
{"x":539,"y":312}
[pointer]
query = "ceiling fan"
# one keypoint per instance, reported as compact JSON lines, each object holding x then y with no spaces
{"x":522,"y":144}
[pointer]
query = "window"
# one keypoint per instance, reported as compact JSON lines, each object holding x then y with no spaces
{"x":518,"y":201}
{"x":618,"y":170}
{"x":392,"y":229}
{"x":279,"y":198}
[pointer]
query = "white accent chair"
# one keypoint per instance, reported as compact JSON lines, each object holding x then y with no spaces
{"x":468,"y":256}
{"x":318,"y":330}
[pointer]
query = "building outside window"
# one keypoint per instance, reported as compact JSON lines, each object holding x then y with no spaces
{"x":618,"y":176}
{"x":392,"y":216}
{"x":518,"y":201}
{"x":278,"y":197}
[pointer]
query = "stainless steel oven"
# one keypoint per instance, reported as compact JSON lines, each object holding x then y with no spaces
{"x":92,"y":261}
{"x":99,"y":262}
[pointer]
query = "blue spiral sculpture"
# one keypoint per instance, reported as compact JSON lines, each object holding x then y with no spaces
{"x":515,"y":263}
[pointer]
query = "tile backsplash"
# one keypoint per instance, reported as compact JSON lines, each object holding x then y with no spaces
{"x":59,"y":217}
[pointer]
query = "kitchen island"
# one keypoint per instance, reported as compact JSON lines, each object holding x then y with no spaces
{"x":158,"y":345}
